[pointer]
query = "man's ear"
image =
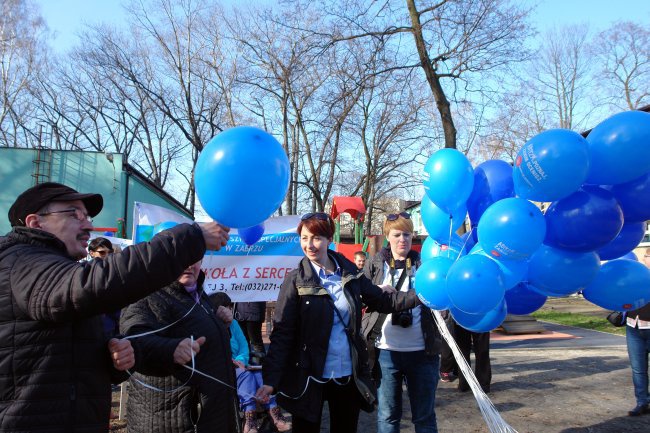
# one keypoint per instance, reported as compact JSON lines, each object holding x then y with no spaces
{"x":32,"y":221}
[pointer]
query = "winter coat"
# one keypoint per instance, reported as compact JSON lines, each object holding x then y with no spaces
{"x":250,"y":311}
{"x":374,"y":269}
{"x":196,"y":399}
{"x":55,"y":367}
{"x":303,"y":323}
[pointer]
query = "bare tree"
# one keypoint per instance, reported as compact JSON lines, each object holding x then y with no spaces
{"x":454,"y":42}
{"x":21,"y":50}
{"x":624,"y":52}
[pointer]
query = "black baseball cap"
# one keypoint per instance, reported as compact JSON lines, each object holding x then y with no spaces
{"x":34,"y":198}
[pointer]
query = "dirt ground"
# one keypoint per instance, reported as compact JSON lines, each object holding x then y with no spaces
{"x":538,"y":390}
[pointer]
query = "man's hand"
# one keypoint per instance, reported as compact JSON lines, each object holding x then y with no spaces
{"x":122,"y":354}
{"x":215,"y":235}
{"x":186,"y":349}
{"x":225,"y":314}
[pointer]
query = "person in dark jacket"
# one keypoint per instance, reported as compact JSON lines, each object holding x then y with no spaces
{"x":316,"y":351}
{"x":250,"y":316}
{"x":57,"y":366}
{"x":406,"y":345}
{"x":164,"y":396}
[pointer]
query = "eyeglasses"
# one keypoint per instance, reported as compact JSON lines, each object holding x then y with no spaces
{"x":318,"y":215}
{"x":77,"y":214}
{"x":394,"y":216}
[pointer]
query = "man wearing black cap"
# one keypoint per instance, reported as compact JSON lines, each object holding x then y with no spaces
{"x":55,"y":366}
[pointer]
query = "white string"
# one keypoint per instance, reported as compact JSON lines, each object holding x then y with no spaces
{"x":491,"y":415}
{"x":465,"y":243}
{"x":153,"y":388}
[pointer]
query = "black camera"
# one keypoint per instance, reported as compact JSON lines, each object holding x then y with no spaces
{"x":402,"y":318}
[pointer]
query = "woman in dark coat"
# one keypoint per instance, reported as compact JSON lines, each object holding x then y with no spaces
{"x":182,"y":401}
{"x":316,"y":351}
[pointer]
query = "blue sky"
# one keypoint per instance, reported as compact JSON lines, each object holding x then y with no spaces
{"x":67,"y":17}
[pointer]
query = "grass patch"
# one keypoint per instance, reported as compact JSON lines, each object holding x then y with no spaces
{"x":579,"y":321}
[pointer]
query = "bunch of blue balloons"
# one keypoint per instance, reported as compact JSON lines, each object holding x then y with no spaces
{"x":515,"y":256}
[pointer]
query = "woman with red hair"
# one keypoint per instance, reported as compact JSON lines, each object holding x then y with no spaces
{"x":317,"y":352}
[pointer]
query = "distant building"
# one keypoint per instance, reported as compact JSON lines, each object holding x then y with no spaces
{"x":104,"y":173}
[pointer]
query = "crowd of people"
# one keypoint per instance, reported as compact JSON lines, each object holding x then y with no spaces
{"x":346,"y":333}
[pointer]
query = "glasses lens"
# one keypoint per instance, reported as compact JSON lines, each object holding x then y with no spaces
{"x":318,"y":215}
{"x":394,"y":216}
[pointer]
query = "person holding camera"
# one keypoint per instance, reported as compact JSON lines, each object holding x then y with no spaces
{"x":404,"y":345}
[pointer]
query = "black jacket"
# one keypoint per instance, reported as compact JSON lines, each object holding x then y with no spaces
{"x":303,"y":322}
{"x":55,"y":368}
{"x":249,"y":311}
{"x":374,"y":269}
{"x":201,"y":401}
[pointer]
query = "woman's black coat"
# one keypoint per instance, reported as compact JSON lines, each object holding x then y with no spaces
{"x":303,"y":319}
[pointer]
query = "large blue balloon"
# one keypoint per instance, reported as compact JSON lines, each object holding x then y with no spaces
{"x":634,"y":198}
{"x":551,"y":165}
{"x":521,"y":299}
{"x":620,"y":285}
{"x":481,"y":322}
{"x":439,"y":223}
{"x":511,"y":229}
{"x":157,"y":228}
{"x":250,"y":235}
{"x":628,"y":238}
{"x":618,"y":148}
{"x":242,"y":176}
{"x":432,"y":248}
{"x":448,"y":179}
{"x":584,"y":221}
{"x":475,"y":284}
{"x":513,"y":270}
{"x":557,"y":272}
{"x":492,"y":182}
{"x":431,"y":282}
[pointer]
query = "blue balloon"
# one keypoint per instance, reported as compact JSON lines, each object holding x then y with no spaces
{"x":634,"y":198}
{"x":551,"y":165}
{"x":432,"y":248}
{"x":522,"y":300}
{"x":617,"y":148}
{"x":250,"y":235}
{"x":448,"y":179}
{"x":157,"y":228}
{"x":620,"y":285}
{"x":513,"y":270}
{"x":584,"y":221}
{"x":629,"y":256}
{"x":475,"y":284}
{"x":242,"y":176}
{"x":431,"y":282}
{"x":492,"y":182}
{"x":469,"y":239}
{"x":557,"y":272}
{"x":511,"y":229}
{"x":628,"y":238}
{"x":481,"y":322}
{"x":439,"y":223}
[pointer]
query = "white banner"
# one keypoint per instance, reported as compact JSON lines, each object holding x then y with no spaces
{"x":247,"y":273}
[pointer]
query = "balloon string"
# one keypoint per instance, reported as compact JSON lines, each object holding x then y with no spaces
{"x":451,"y":225}
{"x":471,"y":230}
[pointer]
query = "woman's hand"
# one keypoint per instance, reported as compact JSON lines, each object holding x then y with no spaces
{"x":186,"y":349}
{"x":238,"y":364}
{"x":263,"y":394}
